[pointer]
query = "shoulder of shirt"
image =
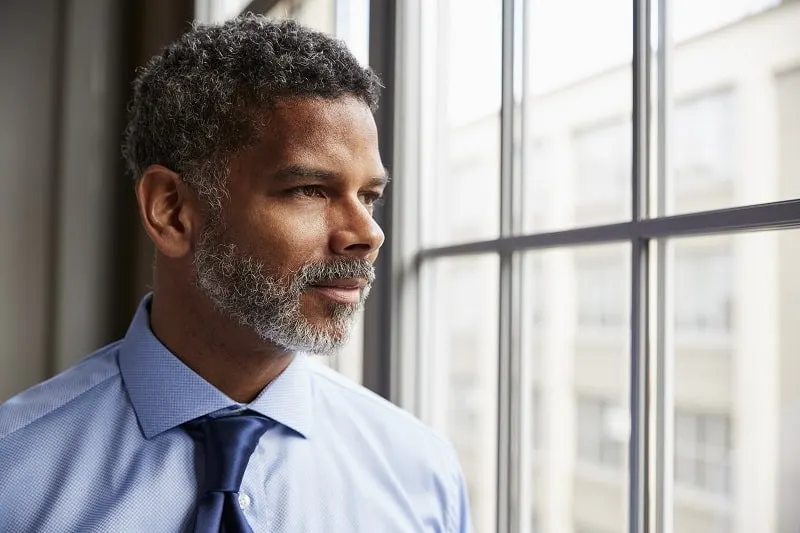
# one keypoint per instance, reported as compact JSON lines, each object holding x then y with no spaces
{"x":411,"y":446}
{"x":48,"y":397}
{"x":389,"y":413}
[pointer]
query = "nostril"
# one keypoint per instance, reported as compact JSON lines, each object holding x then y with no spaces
{"x":359,"y":247}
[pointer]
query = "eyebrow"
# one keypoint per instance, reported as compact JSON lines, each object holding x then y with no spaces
{"x":300,"y":172}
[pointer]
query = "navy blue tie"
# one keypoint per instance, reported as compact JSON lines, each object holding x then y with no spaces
{"x":228,"y":443}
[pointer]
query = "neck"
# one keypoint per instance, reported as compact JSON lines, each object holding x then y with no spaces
{"x":227,"y":355}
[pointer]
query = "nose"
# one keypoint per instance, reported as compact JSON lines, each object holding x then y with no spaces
{"x":355,"y":232}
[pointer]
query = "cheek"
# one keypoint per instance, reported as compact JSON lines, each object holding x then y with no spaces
{"x":286,"y":238}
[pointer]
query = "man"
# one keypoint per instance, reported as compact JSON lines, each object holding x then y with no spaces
{"x":257,"y":171}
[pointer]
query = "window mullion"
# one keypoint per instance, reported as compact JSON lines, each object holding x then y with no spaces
{"x":662,"y":346}
{"x":508,"y":475}
{"x":639,"y":460}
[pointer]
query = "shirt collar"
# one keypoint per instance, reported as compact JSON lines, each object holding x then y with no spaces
{"x":165,"y":392}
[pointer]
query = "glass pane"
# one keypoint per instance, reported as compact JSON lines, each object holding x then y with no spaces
{"x":352,"y":26}
{"x":461,"y":357}
{"x":736,"y":382}
{"x":735,"y":124}
{"x":218,"y":11}
{"x":461,"y":93}
{"x":577,"y":124}
{"x":576,"y":422}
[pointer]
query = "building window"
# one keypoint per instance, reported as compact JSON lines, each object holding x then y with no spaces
{"x":464,"y":385}
{"x":603,"y":163}
{"x":538,"y":186}
{"x":704,"y":147}
{"x":538,"y":292}
{"x":703,"y":291}
{"x":601,"y":293}
{"x":536,"y":422}
{"x":600,"y":440}
{"x":589,"y":529}
{"x":703,"y":447}
{"x":464,"y":389}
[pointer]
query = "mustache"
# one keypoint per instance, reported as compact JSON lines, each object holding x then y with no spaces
{"x":321,"y":271}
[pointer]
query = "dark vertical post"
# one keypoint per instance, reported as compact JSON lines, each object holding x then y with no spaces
{"x":377,"y":317}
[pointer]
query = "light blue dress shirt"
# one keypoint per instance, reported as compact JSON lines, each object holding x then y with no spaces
{"x":99,"y":448}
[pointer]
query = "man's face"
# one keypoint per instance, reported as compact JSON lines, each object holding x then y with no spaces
{"x":291,"y":254}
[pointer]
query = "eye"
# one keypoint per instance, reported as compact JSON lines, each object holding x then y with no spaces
{"x":308,"y":191}
{"x":371,"y":199}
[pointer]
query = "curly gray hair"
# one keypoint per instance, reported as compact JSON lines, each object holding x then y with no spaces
{"x":198,"y":102}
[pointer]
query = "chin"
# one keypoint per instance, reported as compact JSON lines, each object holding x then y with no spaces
{"x":325,"y":346}
{"x":336,"y":331}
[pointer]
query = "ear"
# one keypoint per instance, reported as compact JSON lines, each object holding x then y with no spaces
{"x":169,"y":210}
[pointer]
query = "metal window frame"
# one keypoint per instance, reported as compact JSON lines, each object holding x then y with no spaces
{"x":768,"y":216}
{"x":661,"y":462}
{"x":639,"y":472}
{"x":395,"y":333}
{"x":509,"y":281}
{"x":381,"y":309}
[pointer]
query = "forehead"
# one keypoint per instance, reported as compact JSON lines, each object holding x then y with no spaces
{"x":319,"y":129}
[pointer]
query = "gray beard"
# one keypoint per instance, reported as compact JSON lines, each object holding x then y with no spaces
{"x":244,"y":289}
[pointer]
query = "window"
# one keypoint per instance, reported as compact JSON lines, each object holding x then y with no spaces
{"x":703,"y":450}
{"x":589,"y":529}
{"x":537,"y":423}
{"x":537,"y":294}
{"x":537,"y":191}
{"x":460,"y":143}
{"x":215,"y":11}
{"x":788,"y":105}
{"x":458,"y":327}
{"x":603,"y":196}
{"x":600,"y":441}
{"x":601,"y":305}
{"x":723,"y":120}
{"x":704,"y":291}
{"x":603,"y":163}
{"x":704,"y":142}
{"x":576,"y":428}
{"x":464,"y":387}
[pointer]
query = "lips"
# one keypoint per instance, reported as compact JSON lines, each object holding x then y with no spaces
{"x":346,"y":291}
{"x":343,"y":283}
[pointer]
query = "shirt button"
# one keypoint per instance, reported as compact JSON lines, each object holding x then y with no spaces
{"x":244,"y":500}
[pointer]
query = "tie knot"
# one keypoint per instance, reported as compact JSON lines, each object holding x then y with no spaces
{"x":228,"y":443}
